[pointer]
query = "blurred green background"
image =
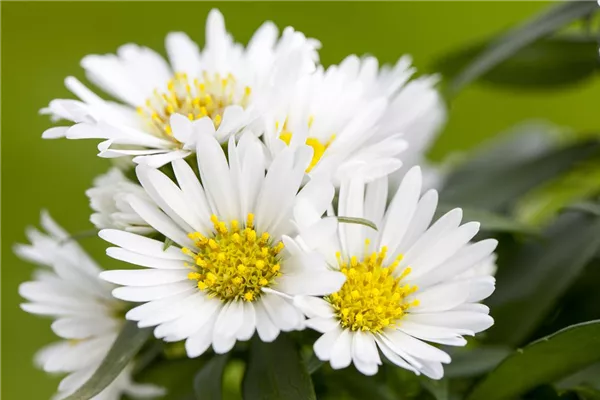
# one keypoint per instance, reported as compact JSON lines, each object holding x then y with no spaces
{"x":43,"y":42}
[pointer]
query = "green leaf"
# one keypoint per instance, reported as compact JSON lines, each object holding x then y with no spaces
{"x":168,"y":243}
{"x":125,"y":347}
{"x":176,"y":376}
{"x":477,"y":186}
{"x":544,"y":360}
{"x":208,"y":383}
{"x":438,"y":388}
{"x":358,"y":221}
{"x":538,"y":274}
{"x":543,"y":203}
{"x":585,"y":393}
{"x":491,"y":222}
{"x":474,"y":362}
{"x":586,"y":206}
{"x":508,"y":44}
{"x":276,"y":371}
{"x":548,"y":63}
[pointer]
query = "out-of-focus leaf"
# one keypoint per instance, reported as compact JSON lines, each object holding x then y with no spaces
{"x":585,"y":393}
{"x":497,"y":187}
{"x":510,"y":43}
{"x":233,"y":375}
{"x":404,"y":384}
{"x":541,"y":204}
{"x":208,"y":383}
{"x":586,"y":206}
{"x":539,"y":274}
{"x":544,"y":360}
{"x":176,"y":376}
{"x":128,"y":343}
{"x":474,"y":362}
{"x":351,"y":384}
{"x":490,"y":222}
{"x":587,"y":377}
{"x":276,"y":371}
{"x":437,"y":388}
{"x":550,"y":62}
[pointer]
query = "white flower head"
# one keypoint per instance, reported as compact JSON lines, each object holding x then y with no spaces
{"x":228,"y":84}
{"x":68,"y":288}
{"x":401,"y":289}
{"x":238,"y":264}
{"x":112,"y":210}
{"x":358,"y":118}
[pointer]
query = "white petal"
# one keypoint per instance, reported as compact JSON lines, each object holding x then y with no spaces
{"x":324,"y":345}
{"x":150,"y":293}
{"x":249,"y":325}
{"x":144,"y":277}
{"x":141,"y":244}
{"x":267,"y":331}
{"x":144,"y":261}
{"x":400,"y":212}
{"x":341,"y":353}
{"x":417,"y":348}
{"x":322,"y":325}
{"x":281,"y":312}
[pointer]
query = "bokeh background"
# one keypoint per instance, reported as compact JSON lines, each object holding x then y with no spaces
{"x":43,"y":42}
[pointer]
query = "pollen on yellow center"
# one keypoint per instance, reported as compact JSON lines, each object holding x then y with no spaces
{"x":372,"y":298}
{"x":234,"y":263}
{"x":195,"y":99}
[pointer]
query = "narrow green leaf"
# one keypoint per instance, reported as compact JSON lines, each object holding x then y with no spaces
{"x":491,"y":222}
{"x":208,"y":383}
{"x":497,"y":187}
{"x":586,"y":206}
{"x":543,"y":203}
{"x":474,"y":362}
{"x":176,"y":376}
{"x":276,"y":371}
{"x":514,"y":40}
{"x":168,"y":243}
{"x":313,"y":364}
{"x":358,"y":221}
{"x":437,"y":388}
{"x":548,"y":63}
{"x":125,"y":347}
{"x":544,"y":360}
{"x":538,"y":274}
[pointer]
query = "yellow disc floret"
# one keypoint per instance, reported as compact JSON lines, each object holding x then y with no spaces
{"x":194,"y":99}
{"x":317,"y":146}
{"x":372,"y":298}
{"x":234,"y":263}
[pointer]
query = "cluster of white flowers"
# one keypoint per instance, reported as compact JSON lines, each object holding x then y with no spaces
{"x":238,"y":154}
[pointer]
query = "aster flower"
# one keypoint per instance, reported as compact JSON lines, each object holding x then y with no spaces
{"x":358,"y":118}
{"x":107,"y":199}
{"x":67,"y":288}
{"x":230,"y":85}
{"x":238,"y":264}
{"x":401,"y":289}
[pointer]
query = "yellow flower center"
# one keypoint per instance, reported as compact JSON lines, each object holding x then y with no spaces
{"x":371,"y":299}
{"x":234,"y":263}
{"x":195,"y":99}
{"x":318,"y":147}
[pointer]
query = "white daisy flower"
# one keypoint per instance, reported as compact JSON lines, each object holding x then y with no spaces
{"x":238,"y":264}
{"x":108,"y":200}
{"x":68,"y":289}
{"x":230,"y":84}
{"x":357,"y":118}
{"x":401,"y":290}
